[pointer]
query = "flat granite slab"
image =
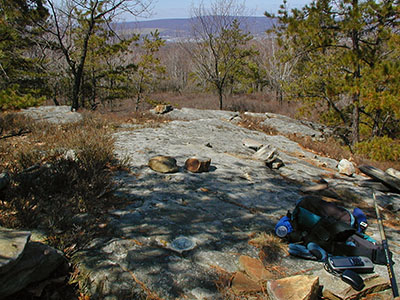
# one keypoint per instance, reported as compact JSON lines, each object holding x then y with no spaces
{"x":214,"y":213}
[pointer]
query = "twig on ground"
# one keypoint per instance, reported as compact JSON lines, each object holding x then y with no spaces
{"x":19,"y":133}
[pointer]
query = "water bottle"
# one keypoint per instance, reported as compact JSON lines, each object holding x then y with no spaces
{"x":283,"y":227}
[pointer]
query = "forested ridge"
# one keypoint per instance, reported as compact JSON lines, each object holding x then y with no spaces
{"x":338,"y":59}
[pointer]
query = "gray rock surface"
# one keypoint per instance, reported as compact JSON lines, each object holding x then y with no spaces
{"x":12,"y":245}
{"x":217,"y":210}
{"x":346,"y":167}
{"x":36,"y":264}
{"x":393,"y":172}
{"x":53,"y":114}
{"x":288,"y":125}
{"x":4,"y":180}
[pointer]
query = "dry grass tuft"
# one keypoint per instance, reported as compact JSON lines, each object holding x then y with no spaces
{"x":61,"y":179}
{"x":272,"y":248}
{"x":255,"y":123}
{"x":61,"y":176}
{"x":331,"y":147}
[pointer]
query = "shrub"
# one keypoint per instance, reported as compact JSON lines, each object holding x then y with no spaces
{"x":10,"y":99}
{"x":48,"y":188}
{"x":380,"y":149}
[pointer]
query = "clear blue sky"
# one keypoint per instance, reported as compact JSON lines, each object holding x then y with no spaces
{"x":163,"y":9}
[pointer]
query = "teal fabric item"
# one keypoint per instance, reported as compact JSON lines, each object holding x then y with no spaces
{"x":368,"y":238}
{"x":307,"y":218}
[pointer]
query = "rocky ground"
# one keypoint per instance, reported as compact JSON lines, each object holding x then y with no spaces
{"x":217,"y":211}
{"x":181,"y":232}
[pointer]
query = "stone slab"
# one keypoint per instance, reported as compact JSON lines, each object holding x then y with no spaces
{"x":12,"y":245}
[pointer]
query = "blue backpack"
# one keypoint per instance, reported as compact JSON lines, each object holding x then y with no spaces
{"x":332,"y":227}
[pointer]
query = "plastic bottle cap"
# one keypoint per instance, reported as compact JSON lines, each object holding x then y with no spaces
{"x":281,"y":231}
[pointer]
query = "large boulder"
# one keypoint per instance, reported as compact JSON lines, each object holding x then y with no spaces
{"x":12,"y":245}
{"x":163,"y":109}
{"x":23,"y":262}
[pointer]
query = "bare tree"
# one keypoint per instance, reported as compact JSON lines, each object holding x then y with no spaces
{"x":219,"y":49}
{"x":278,"y":71}
{"x":74,"y":23}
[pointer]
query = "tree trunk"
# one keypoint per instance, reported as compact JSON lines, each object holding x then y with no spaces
{"x":220,"y":96}
{"x":137,"y":102}
{"x":355,"y":120}
{"x":56,"y":103}
{"x":375,"y":127}
{"x":75,"y":90}
{"x":357,"y":75}
{"x":139,"y":93}
{"x":79,"y":71}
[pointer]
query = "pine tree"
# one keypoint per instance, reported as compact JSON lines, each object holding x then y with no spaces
{"x":21,"y":79}
{"x":347,"y":57}
{"x":148,"y":66}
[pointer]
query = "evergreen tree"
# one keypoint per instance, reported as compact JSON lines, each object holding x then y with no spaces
{"x":148,"y":66}
{"x":348,"y":58}
{"x":21,"y":80}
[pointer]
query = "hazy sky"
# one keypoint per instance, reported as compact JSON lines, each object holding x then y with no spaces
{"x":163,"y":9}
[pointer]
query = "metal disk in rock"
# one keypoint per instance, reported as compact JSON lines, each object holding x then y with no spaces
{"x":381,"y":176}
{"x":163,"y":164}
{"x":182,"y":244}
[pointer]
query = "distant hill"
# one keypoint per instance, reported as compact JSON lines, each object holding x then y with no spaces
{"x":171,"y":29}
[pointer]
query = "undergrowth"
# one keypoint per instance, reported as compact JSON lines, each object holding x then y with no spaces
{"x":61,"y":178}
{"x":368,"y":153}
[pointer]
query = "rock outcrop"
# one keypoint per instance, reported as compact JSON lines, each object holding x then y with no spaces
{"x":53,"y":114}
{"x":163,"y":109}
{"x":346,"y":167}
{"x":23,"y":262}
{"x":216,"y":211}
